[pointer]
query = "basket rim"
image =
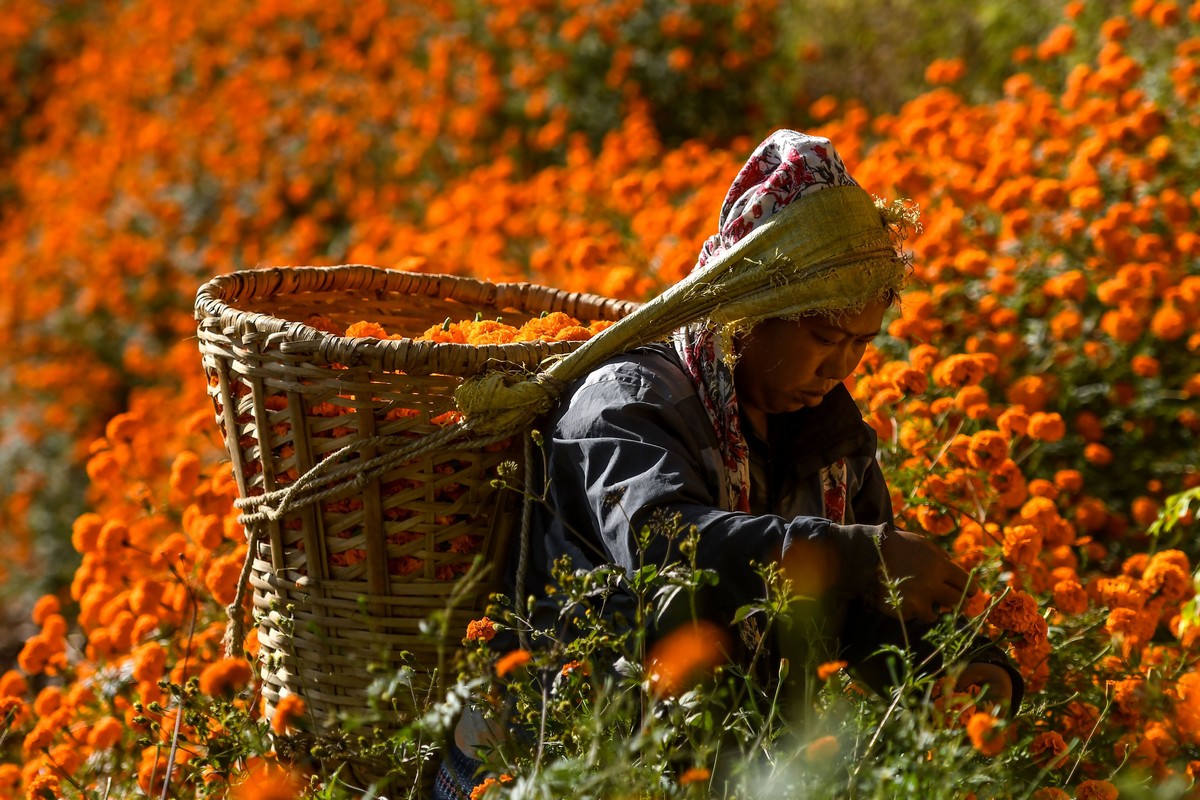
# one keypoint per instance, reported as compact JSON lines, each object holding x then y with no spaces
{"x":215,"y":316}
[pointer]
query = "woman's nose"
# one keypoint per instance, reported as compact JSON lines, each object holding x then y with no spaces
{"x":839,"y":363}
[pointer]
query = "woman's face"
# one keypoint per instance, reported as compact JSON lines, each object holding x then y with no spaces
{"x":786,"y":365}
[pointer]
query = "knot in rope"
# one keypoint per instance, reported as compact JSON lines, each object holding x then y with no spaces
{"x":502,"y":403}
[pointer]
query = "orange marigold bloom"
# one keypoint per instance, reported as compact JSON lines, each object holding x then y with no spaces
{"x":45,"y":606}
{"x":695,"y":775}
{"x":511,"y":661}
{"x":105,"y":733}
{"x":935,"y":521}
{"x":13,"y":712}
{"x":1098,"y":454}
{"x":830,"y":668}
{"x":822,"y":749}
{"x":39,"y":738}
{"x":1022,"y":544}
{"x":1144,"y":366}
{"x":1168,"y":323}
{"x":227,"y":676}
{"x":685,"y":654}
{"x":1031,"y":391}
{"x":1070,"y":597}
{"x":1050,"y":793}
{"x":1144,"y":510}
{"x":985,"y":735}
{"x":372,"y":330}
{"x":288,"y":711}
{"x":1096,"y":790}
{"x":960,"y":370}
{"x":480,"y":629}
{"x":48,"y":700}
{"x":1050,"y":749}
{"x":269,"y":781}
{"x":85,"y":531}
{"x":1167,"y":577}
{"x":1015,"y":612}
{"x":1046,"y":427}
{"x":1069,"y":480}
{"x":185,"y":475}
{"x":13,"y":684}
{"x":988,"y":450}
{"x":43,"y":786}
{"x":149,"y":662}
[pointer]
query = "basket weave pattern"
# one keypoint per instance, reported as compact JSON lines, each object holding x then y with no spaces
{"x":345,"y":582}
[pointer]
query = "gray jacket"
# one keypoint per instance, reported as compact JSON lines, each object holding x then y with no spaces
{"x":632,"y":439}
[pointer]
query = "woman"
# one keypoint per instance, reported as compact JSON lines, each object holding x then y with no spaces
{"x":770,"y":459}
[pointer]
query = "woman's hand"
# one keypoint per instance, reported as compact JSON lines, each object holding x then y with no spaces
{"x":929,"y":580}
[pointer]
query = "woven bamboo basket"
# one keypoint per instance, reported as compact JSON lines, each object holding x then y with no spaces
{"x":342,"y":585}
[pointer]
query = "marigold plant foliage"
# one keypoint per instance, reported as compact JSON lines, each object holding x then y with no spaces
{"x":1035,"y":393}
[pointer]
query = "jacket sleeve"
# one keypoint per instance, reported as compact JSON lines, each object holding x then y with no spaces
{"x":635,"y":453}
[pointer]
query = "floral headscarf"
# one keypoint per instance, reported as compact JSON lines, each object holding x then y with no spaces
{"x":786,"y":166}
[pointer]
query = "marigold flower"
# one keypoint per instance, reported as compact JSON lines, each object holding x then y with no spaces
{"x":829,"y":669}
{"x":822,"y":749}
{"x":988,"y":450}
{"x":695,"y":775}
{"x":149,"y":662}
{"x":680,"y":657}
{"x":105,"y":733}
{"x":1049,"y":749}
{"x":1015,"y":613}
{"x":482,"y":789}
{"x":1070,"y":597}
{"x":1096,"y":790}
{"x":13,"y":684}
{"x":575,"y":666}
{"x":1050,"y":793}
{"x":482,"y":628}
{"x":269,"y":781}
{"x":39,"y":738}
{"x":985,"y":734}
{"x":1098,"y":454}
{"x":1046,"y":427}
{"x":511,"y":661}
{"x":288,"y":710}
{"x":227,"y":676}
{"x":935,"y":521}
{"x":43,"y":786}
{"x":45,"y":606}
{"x":1022,"y":544}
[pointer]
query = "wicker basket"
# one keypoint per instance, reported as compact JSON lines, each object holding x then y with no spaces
{"x":345,"y":583}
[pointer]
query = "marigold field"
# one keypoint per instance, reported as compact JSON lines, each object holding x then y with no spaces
{"x":1037,"y":393}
